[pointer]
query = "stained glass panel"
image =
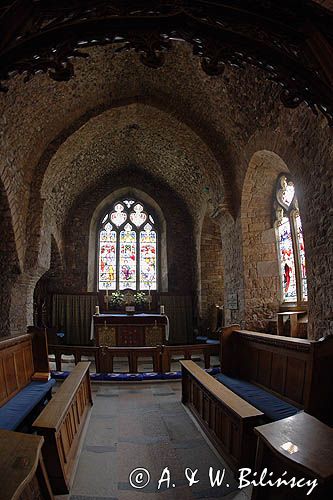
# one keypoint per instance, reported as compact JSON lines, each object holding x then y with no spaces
{"x":287,"y":192}
{"x":118,"y":217}
{"x":148,"y":263}
{"x":138,"y":217}
{"x":127,"y":258}
{"x":107,"y":258}
{"x":300,"y":243}
{"x":287,"y":261}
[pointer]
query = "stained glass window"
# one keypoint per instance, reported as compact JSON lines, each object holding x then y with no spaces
{"x":128,"y":247}
{"x":148,"y":258}
{"x":290,"y":243}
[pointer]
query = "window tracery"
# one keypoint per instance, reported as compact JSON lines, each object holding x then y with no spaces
{"x":127,"y":244}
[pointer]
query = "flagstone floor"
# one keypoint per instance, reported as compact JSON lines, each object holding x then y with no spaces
{"x":145,"y":426}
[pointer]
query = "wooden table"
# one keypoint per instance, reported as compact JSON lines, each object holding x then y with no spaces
{"x":293,"y":315}
{"x":300,"y":445}
{"x":22,"y":470}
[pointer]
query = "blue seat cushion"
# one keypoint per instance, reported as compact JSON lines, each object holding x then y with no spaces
{"x":273,"y":407}
{"x":18,"y":408}
{"x":201,"y":338}
{"x":212,"y":341}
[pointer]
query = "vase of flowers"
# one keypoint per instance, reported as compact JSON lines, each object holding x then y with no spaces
{"x":140,"y":300}
{"x":116,"y":301}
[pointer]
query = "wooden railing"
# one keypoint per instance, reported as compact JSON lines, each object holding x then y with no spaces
{"x":161,"y":356}
{"x":73,"y":350}
{"x":61,"y":423}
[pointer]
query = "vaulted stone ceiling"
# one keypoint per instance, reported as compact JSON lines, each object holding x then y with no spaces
{"x":189,"y":128}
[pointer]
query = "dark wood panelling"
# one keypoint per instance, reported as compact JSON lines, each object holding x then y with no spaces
{"x":279,"y":364}
{"x":295,"y":380}
{"x":264,"y":367}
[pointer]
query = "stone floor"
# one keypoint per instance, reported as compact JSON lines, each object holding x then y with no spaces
{"x":144,"y":425}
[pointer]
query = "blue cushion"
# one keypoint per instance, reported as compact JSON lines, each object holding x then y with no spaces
{"x":96,"y":376}
{"x":113,"y":377}
{"x":151,"y":376}
{"x":273,"y":407}
{"x":17,"y":408}
{"x":201,"y":338}
{"x":59,"y":375}
{"x":212,"y":341}
{"x":213,"y":371}
{"x":172,"y":375}
{"x":132,"y":376}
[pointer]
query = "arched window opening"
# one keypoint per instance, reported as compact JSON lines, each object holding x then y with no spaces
{"x":290,"y":243}
{"x":128,"y":247}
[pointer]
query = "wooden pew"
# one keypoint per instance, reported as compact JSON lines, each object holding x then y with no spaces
{"x":22,"y":470}
{"x":296,"y":370}
{"x":225,"y":417}
{"x":21,"y":357}
{"x":62,"y":423}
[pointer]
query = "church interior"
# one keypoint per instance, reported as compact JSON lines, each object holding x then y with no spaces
{"x":166,"y":249}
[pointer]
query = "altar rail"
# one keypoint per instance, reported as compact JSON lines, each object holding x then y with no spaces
{"x":161,"y":356}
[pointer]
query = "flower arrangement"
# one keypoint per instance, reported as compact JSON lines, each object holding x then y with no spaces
{"x":116,"y":299}
{"x":140,"y":298}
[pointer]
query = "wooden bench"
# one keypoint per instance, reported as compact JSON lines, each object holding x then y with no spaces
{"x":225,"y":417}
{"x":62,"y":423}
{"x":22,"y":470}
{"x":21,"y":398}
{"x":296,"y":370}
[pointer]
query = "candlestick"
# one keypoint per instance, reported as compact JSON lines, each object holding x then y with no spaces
{"x":97,"y":310}
{"x":162,"y":309}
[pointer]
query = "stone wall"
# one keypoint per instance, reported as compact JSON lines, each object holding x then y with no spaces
{"x":211,"y":259}
{"x":181,"y":254}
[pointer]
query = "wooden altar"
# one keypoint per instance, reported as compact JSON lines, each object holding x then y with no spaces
{"x":123,"y":330}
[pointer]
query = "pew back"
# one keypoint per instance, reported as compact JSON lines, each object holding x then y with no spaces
{"x":61,"y":423}
{"x":293,"y":369}
{"x":16,"y":365}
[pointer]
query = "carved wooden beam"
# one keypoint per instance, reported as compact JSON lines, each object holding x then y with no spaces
{"x":291,"y":41}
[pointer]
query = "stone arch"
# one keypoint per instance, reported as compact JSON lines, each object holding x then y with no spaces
{"x":98,"y":213}
{"x":260,"y":260}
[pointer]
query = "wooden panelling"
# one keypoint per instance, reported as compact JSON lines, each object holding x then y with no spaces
{"x":279,"y":364}
{"x":61,"y":423}
{"x":20,"y":368}
{"x":225,"y":417}
{"x":297,"y":370}
{"x":295,"y":380}
{"x":12,"y":383}
{"x":3,"y":389}
{"x":16,"y":365}
{"x":264,"y":367}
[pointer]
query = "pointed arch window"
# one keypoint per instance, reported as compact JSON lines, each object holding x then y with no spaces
{"x":290,"y":243}
{"x":128,"y":247}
